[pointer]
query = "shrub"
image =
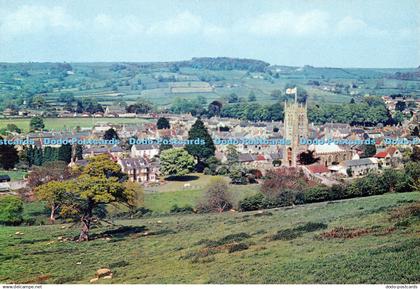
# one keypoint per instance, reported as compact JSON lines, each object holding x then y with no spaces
{"x":289,"y":198}
{"x":317,"y":194}
{"x":207,"y":171}
{"x":283,"y":179}
{"x":338,"y":192}
{"x":222,"y":171}
{"x":290,"y":234}
{"x":185,"y":209}
{"x":235,"y":247}
{"x":311,"y":227}
{"x":238,"y":175}
{"x":256,"y":202}
{"x":217,"y":197}
{"x":11,"y":210}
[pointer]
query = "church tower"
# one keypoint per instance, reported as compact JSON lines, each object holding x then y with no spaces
{"x":295,"y":127}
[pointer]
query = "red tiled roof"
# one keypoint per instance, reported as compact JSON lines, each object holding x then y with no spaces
{"x":318,"y":169}
{"x":381,"y":155}
{"x":392,"y":150}
{"x":389,"y":150}
{"x":260,"y":158}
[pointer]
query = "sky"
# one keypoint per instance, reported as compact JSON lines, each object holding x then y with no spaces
{"x":332,"y":33}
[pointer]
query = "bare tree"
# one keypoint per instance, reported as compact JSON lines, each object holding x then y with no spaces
{"x":217,"y":197}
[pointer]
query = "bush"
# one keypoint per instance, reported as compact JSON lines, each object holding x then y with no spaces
{"x":289,"y":198}
{"x":235,"y":247}
{"x":256,"y":202}
{"x":290,"y":234}
{"x":368,"y":186}
{"x":217,"y":197}
{"x":317,"y":194}
{"x":222,"y":171}
{"x":11,"y":210}
{"x":185,"y":209}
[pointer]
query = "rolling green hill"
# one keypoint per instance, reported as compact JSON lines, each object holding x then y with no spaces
{"x":365,"y":240}
{"x":116,"y":82}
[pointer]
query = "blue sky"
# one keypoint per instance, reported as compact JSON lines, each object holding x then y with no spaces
{"x":332,"y":33}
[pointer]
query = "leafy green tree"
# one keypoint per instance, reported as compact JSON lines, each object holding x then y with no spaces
{"x":200,"y":151}
{"x":416,"y":131}
{"x":38,"y":156}
{"x":111,"y":134}
{"x":79,"y":152}
{"x":212,"y":165}
{"x":237,"y":175}
{"x":11,"y":127}
{"x":233,"y":98}
{"x":276,"y":94}
{"x":307,"y":158}
{"x":252,"y":97}
{"x":30,"y":155}
{"x":398,"y":117}
{"x":8,"y":156}
{"x":36,"y":123}
{"x":65,"y":153}
{"x":163,"y":123}
{"x":232,"y":155}
{"x":415,"y":154}
{"x":400,"y":106}
{"x":176,"y":162}
{"x":49,"y":154}
{"x":141,"y":106}
{"x":412,"y":171}
{"x":38,"y":101}
{"x":214,"y":108}
{"x":101,"y":182}
{"x":54,"y":193}
{"x":11,"y":210}
{"x":369,"y":150}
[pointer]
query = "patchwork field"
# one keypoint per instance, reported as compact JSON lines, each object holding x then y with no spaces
{"x":366,"y":240}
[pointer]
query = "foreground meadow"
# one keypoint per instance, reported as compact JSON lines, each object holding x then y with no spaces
{"x":365,"y":240}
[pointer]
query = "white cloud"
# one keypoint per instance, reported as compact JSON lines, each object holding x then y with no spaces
{"x":288,"y":23}
{"x":122,"y":25}
{"x":33,"y":19}
{"x":182,"y":23}
{"x":350,"y":25}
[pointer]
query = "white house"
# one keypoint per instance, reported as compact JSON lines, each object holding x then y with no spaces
{"x":144,"y":150}
{"x":359,"y":167}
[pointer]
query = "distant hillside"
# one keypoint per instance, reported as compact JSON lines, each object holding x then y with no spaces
{"x":49,"y":86}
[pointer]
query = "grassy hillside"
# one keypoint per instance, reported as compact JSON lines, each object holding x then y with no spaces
{"x":116,"y":82}
{"x":366,"y":240}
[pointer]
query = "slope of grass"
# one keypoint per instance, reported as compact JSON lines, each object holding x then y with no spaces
{"x":230,"y":247}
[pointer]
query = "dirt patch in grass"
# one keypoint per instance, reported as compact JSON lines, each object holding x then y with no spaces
{"x":405,"y":212}
{"x":350,"y":233}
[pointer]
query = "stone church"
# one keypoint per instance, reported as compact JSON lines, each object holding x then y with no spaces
{"x":295,"y":127}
